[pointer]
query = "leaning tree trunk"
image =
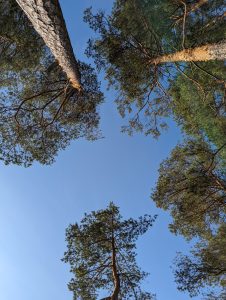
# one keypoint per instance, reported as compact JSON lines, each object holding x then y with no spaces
{"x":47,"y":18}
{"x":203,"y":53}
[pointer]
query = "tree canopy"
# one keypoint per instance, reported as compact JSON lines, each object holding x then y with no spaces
{"x":198,"y":101}
{"x":133,"y":36}
{"x":40,"y":112}
{"x":152,"y":64}
{"x":20,"y":46}
{"x":206,"y":267}
{"x":101,"y":253}
{"x":192,"y":186}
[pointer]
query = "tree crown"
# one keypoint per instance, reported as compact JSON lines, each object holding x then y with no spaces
{"x":91,"y":247}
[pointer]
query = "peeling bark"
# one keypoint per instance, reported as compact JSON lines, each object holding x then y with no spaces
{"x":47,"y":18}
{"x":203,"y":53}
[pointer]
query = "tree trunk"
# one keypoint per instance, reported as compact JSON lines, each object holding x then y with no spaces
{"x":203,"y":53}
{"x":115,"y":273}
{"x":47,"y":19}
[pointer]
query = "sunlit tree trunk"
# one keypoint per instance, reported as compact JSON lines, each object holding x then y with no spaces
{"x":47,"y":18}
{"x":203,"y":53}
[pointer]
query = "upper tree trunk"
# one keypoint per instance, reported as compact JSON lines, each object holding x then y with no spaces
{"x":203,"y":53}
{"x":47,"y":18}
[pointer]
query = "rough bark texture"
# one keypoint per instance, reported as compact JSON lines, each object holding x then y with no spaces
{"x":47,"y":19}
{"x":203,"y":53}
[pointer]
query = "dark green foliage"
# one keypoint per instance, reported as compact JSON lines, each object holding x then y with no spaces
{"x":192,"y":186}
{"x":40,"y":113}
{"x":20,"y":46}
{"x":198,"y":101}
{"x":91,"y":245}
{"x":206,"y":267}
{"x":132,"y":36}
{"x":127,"y":43}
{"x":204,"y":25}
{"x":44,"y":114}
{"x":192,"y":182}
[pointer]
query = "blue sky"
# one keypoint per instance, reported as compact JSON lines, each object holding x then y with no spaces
{"x":38,"y":203}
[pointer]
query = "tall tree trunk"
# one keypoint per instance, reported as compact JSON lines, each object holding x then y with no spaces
{"x":115,"y":273}
{"x":47,"y":18}
{"x":203,"y":53}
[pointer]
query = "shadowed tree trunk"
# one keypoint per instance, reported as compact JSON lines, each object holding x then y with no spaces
{"x":47,"y":19}
{"x":203,"y":53}
{"x":115,"y":274}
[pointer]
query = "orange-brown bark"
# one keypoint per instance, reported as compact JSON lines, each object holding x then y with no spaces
{"x":202,"y":53}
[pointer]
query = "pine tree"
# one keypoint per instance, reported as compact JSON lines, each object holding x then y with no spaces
{"x":205,"y":267}
{"x":198,"y":97}
{"x":17,"y":50}
{"x":101,"y":253}
{"x":192,"y":186}
{"x":132,"y":42}
{"x":40,"y":110}
{"x":202,"y":53}
{"x":47,"y":19}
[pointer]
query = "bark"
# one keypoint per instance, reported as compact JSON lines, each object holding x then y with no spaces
{"x":203,"y":53}
{"x":115,"y":273}
{"x":47,"y":18}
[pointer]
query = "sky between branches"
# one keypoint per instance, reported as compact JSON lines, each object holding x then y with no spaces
{"x":38,"y":203}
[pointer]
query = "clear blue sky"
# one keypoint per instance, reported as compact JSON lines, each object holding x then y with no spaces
{"x":38,"y":203}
